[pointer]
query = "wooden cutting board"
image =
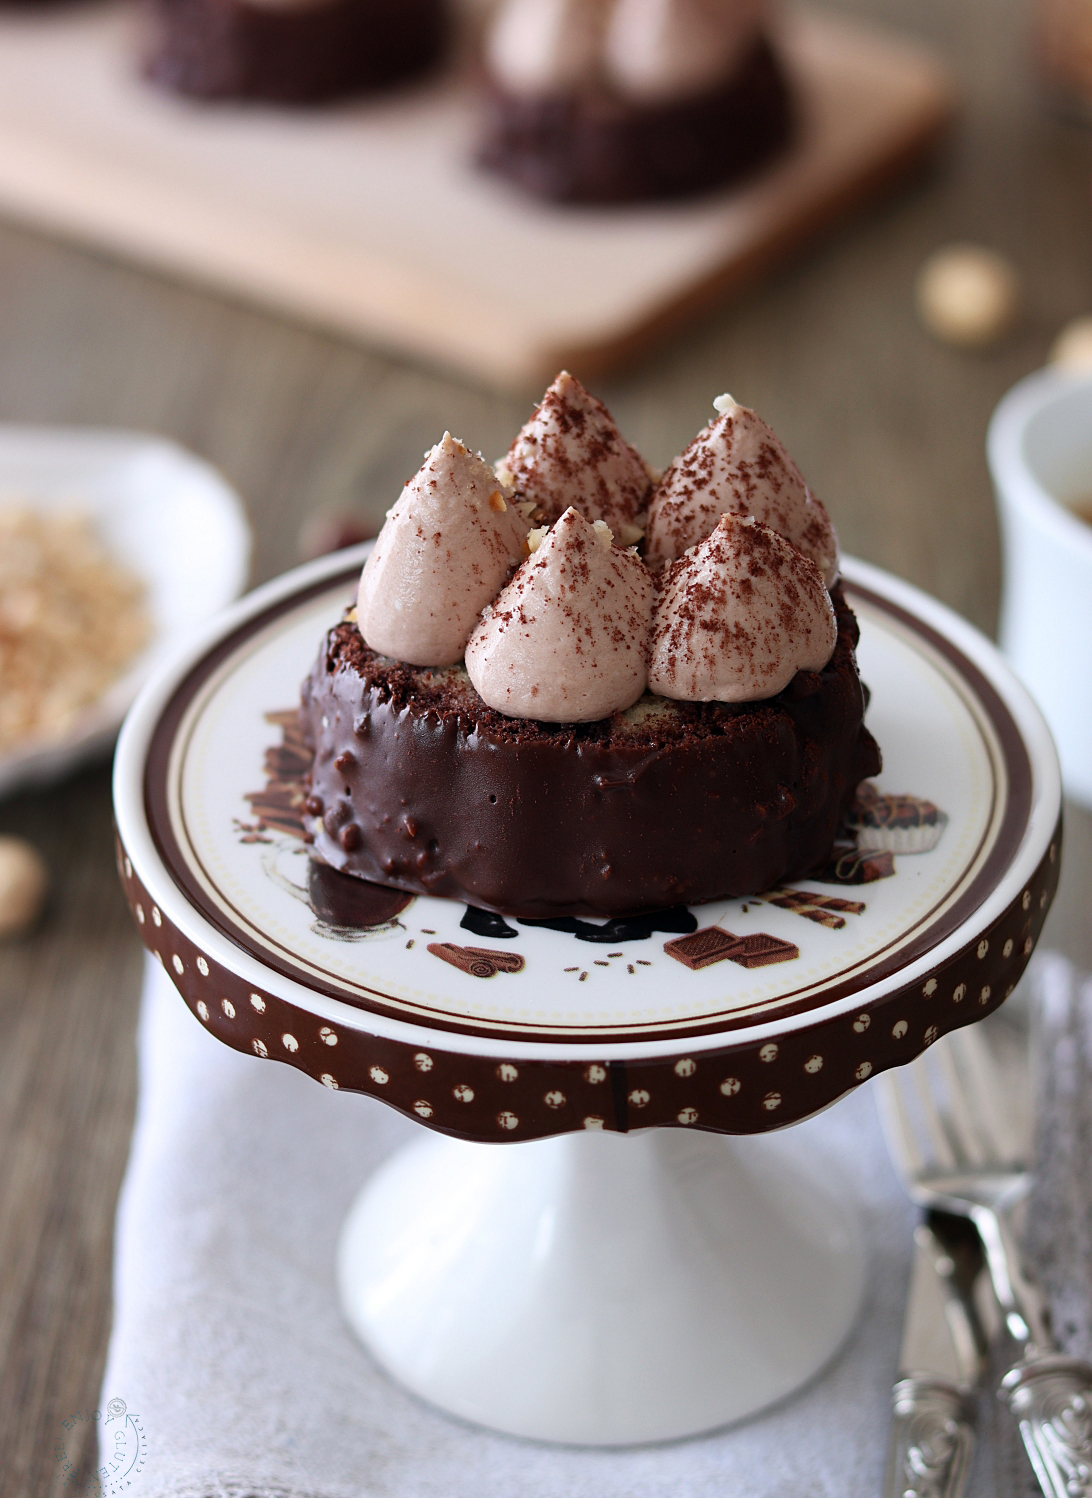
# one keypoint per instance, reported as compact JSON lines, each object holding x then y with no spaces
{"x":369,"y":219}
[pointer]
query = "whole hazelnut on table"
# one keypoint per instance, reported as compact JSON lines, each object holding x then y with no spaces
{"x":24,"y":883}
{"x":967,"y":295}
{"x":1072,"y":349}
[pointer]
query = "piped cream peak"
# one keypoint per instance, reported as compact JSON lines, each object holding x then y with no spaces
{"x":659,"y":50}
{"x":737,"y":466}
{"x":648,"y":51}
{"x":546,"y":46}
{"x":446,"y":548}
{"x":572,"y":453}
{"x":738,"y":616}
{"x":566,"y":640}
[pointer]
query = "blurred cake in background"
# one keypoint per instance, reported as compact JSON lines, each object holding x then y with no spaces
{"x":1063,"y":36}
{"x":291,"y":51}
{"x":603,"y":101}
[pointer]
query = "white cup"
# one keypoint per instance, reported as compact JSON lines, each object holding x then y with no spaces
{"x":1040,"y":454}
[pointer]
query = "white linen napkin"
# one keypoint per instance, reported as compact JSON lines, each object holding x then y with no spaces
{"x":229,"y":1345}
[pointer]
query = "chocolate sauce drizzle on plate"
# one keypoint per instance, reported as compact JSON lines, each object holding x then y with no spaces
{"x":486,"y":923}
{"x":677,"y":920}
{"x":620,"y":927}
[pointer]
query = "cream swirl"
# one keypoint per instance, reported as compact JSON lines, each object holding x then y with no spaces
{"x":566,"y":640}
{"x":738,"y":616}
{"x":572,"y":453}
{"x":546,"y":46}
{"x":648,"y":51}
{"x":737,"y":466}
{"x":446,"y":548}
{"x":656,"y":50}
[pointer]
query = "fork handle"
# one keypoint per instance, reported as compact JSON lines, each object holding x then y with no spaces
{"x":1022,"y":1302}
{"x":932,"y":1438}
{"x":1051,"y":1397}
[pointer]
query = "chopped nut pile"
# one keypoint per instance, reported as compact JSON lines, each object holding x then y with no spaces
{"x":71,"y":620}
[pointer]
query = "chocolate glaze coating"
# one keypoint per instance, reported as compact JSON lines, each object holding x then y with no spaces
{"x":419,"y":785}
{"x":594,"y":147}
{"x":290,"y":54}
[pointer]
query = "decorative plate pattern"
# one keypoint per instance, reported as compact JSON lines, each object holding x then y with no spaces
{"x":737,"y":1016}
{"x":735,"y":1089}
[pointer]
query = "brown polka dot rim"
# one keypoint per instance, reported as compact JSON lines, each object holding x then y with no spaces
{"x":737,"y":1017}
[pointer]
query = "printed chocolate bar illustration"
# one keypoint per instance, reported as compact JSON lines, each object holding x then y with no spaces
{"x":278,"y":806}
{"x":714,"y":944}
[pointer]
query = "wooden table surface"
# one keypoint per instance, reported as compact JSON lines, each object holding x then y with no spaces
{"x":887,"y":425}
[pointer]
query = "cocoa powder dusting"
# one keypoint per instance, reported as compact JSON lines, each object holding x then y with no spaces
{"x":571,"y":452}
{"x":448,"y":696}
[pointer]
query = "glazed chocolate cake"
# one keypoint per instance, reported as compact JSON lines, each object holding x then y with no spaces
{"x":542,"y":722}
{"x":629,"y":100}
{"x":419,"y":785}
{"x":290,"y":51}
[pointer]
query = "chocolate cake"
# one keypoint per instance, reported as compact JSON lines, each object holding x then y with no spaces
{"x":611,"y":101}
{"x":526,"y":713}
{"x":595,"y":147}
{"x":290,"y":51}
{"x":417,"y":784}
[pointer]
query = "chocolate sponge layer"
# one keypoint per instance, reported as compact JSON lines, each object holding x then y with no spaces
{"x":417,"y":784}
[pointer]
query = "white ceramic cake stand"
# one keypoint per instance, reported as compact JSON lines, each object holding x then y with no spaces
{"x":620,"y":1271}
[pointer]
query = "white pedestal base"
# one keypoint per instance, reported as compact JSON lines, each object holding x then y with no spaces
{"x":602,"y":1289}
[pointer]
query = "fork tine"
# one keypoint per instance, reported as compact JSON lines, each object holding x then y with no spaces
{"x":969,"y":1140}
{"x":940,"y":1137}
{"x":898,"y":1126}
{"x":984,"y":1097}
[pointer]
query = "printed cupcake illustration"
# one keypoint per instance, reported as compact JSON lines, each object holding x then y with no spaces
{"x":895,"y":823}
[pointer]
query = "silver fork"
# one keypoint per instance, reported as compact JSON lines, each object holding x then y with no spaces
{"x":959,"y":1127}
